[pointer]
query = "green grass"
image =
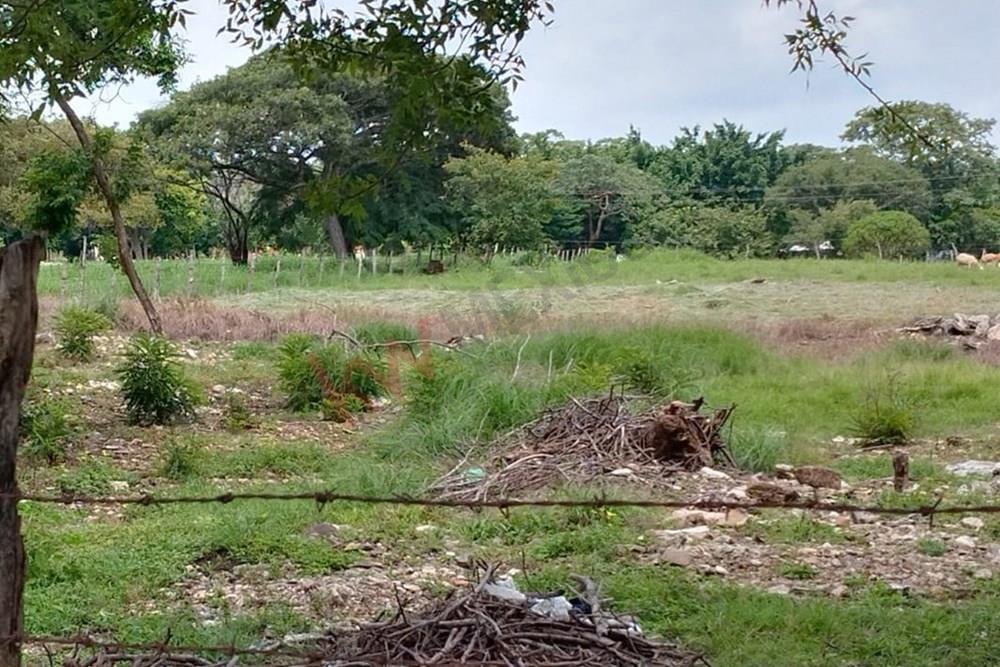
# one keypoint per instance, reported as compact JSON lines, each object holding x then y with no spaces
{"x":98,"y":281}
{"x":781,"y":528}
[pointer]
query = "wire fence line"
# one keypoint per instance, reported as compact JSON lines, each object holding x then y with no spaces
{"x":326,"y":497}
{"x":165,"y":647}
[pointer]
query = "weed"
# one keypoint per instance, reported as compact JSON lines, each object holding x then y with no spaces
{"x":886,"y":414}
{"x":180,"y":460}
{"x":45,"y":427}
{"x":247,"y":350}
{"x":306,"y":370}
{"x":75,"y":329}
{"x":383,"y":331}
{"x":759,"y":450}
{"x":236,"y":416}
{"x":154,"y":386}
{"x":782,"y":529}
{"x":797,"y":571}
{"x":931,"y":547}
{"x":92,"y":476}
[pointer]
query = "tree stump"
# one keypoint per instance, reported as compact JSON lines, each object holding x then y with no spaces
{"x":18,"y":322}
{"x":900,"y":470}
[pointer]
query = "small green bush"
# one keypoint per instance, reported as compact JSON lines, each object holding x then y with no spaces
{"x":45,"y":428}
{"x":154,"y":386}
{"x":180,"y":460}
{"x":75,"y":329}
{"x":236,"y":416}
{"x":314,"y":376}
{"x":931,"y":547}
{"x":886,"y":415}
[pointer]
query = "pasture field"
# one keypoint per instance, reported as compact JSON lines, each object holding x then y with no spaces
{"x":805,"y":349}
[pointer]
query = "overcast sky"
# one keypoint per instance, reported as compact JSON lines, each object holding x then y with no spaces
{"x":663,"y":64}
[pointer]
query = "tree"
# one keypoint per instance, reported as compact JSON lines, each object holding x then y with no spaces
{"x":502,"y":201}
{"x":856,"y":174}
{"x":726,"y":162}
{"x":972,"y":229}
{"x":713,"y":229}
{"x":887,"y":234}
{"x":827,"y":225}
{"x":609,"y":195}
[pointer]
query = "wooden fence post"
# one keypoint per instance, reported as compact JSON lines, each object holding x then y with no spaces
{"x":374,"y":261}
{"x":277,"y":272}
{"x":190,"y":281}
{"x":18,"y":322}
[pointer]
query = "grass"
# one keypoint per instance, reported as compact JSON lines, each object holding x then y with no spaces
{"x":214,"y":277}
{"x":118,"y":574}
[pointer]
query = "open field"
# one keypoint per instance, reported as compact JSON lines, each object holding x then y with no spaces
{"x":802,"y":355}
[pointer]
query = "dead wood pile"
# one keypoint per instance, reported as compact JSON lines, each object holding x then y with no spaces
{"x":970,"y":330}
{"x":473,"y":627}
{"x":592,"y":439}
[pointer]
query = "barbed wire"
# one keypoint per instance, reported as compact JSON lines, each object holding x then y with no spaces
{"x":326,"y":497}
{"x":166,"y":647}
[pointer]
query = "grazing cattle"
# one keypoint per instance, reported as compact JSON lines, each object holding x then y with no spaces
{"x":965,"y":259}
{"x":989,"y":258}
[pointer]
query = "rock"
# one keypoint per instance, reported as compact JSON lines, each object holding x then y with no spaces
{"x":557,"y":608}
{"x":323,"y":530}
{"x":118,"y":486}
{"x":696,"y":517}
{"x":768,"y":492}
{"x":735,"y":518}
{"x":982,"y":573}
{"x":980,"y":324}
{"x":973,"y":522}
{"x":779,"y":589}
{"x":864,"y":517}
{"x":712,"y":473}
{"x":973,"y":467}
{"x":718,"y":569}
{"x":680,"y":536}
{"x":190,"y":353}
{"x":425,"y":528}
{"x":993,"y":333}
{"x":839,"y":591}
{"x":818,"y":477}
{"x":218,"y":389}
{"x":622,"y":472}
{"x":964,"y":542}
{"x":784,"y":471}
{"x":677,"y":557}
{"x":842,"y":520}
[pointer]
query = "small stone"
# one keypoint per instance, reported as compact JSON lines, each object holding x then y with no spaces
{"x":818,"y":477}
{"x":680,"y":536}
{"x":622,"y":472}
{"x":982,"y":573}
{"x":779,"y":589}
{"x":735,"y":518}
{"x":718,"y":569}
{"x":425,"y":528}
{"x":678,"y":557}
{"x":973,"y":467}
{"x":842,"y":521}
{"x":973,"y":522}
{"x":964,"y":542}
{"x":864,"y":517}
{"x":784,"y":471}
{"x":839,"y":591}
{"x":323,"y":530}
{"x":768,"y":492}
{"x":218,"y":389}
{"x":190,"y":353}
{"x":118,"y":486}
{"x":712,"y":473}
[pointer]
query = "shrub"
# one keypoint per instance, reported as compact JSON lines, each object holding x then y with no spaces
{"x":383,"y":331}
{"x":887,"y":234}
{"x":75,"y":329}
{"x":154,"y":386}
{"x":45,"y":427}
{"x":886,"y":415}
{"x":236,"y":416}
{"x":180,"y":460}
{"x":314,"y":376}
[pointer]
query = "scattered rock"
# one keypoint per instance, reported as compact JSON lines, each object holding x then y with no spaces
{"x":818,"y":477}
{"x":973,"y":522}
{"x":218,"y":389}
{"x":679,"y":536}
{"x":190,"y":353}
{"x":324,"y":530}
{"x":964,"y":542}
{"x":425,"y":528}
{"x":839,"y":591}
{"x":779,"y":589}
{"x":712,"y":473}
{"x":768,"y":492}
{"x":677,"y":557}
{"x":973,"y":467}
{"x":735,"y":518}
{"x":864,"y":517}
{"x":118,"y":486}
{"x":982,"y":573}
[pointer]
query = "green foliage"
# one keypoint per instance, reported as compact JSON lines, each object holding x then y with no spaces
{"x":505,"y":201}
{"x":780,"y":528}
{"x":154,"y":386}
{"x":797,"y":571}
{"x":75,"y":329}
{"x":107,"y":245}
{"x":829,"y":224}
{"x":45,"y":427}
{"x":57,"y":181}
{"x":383,"y":331}
{"x":886,"y":415}
{"x":236,"y":416}
{"x":931,"y":547}
{"x":180,"y":460}
{"x":730,"y":232}
{"x":887,"y":234}
{"x":759,"y":449}
{"x":314,"y":375}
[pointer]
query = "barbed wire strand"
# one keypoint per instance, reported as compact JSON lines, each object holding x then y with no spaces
{"x":326,"y":497}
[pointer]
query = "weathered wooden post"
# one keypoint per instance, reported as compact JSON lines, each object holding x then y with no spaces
{"x":900,"y":470}
{"x":18,"y":322}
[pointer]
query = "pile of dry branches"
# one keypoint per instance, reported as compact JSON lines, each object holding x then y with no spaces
{"x":587,"y":440}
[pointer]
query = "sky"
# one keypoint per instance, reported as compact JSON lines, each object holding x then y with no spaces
{"x":660,"y":65}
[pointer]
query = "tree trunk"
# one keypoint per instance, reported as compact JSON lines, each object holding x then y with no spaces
{"x":18,"y":321}
{"x":104,"y":185}
{"x":335,"y":232}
